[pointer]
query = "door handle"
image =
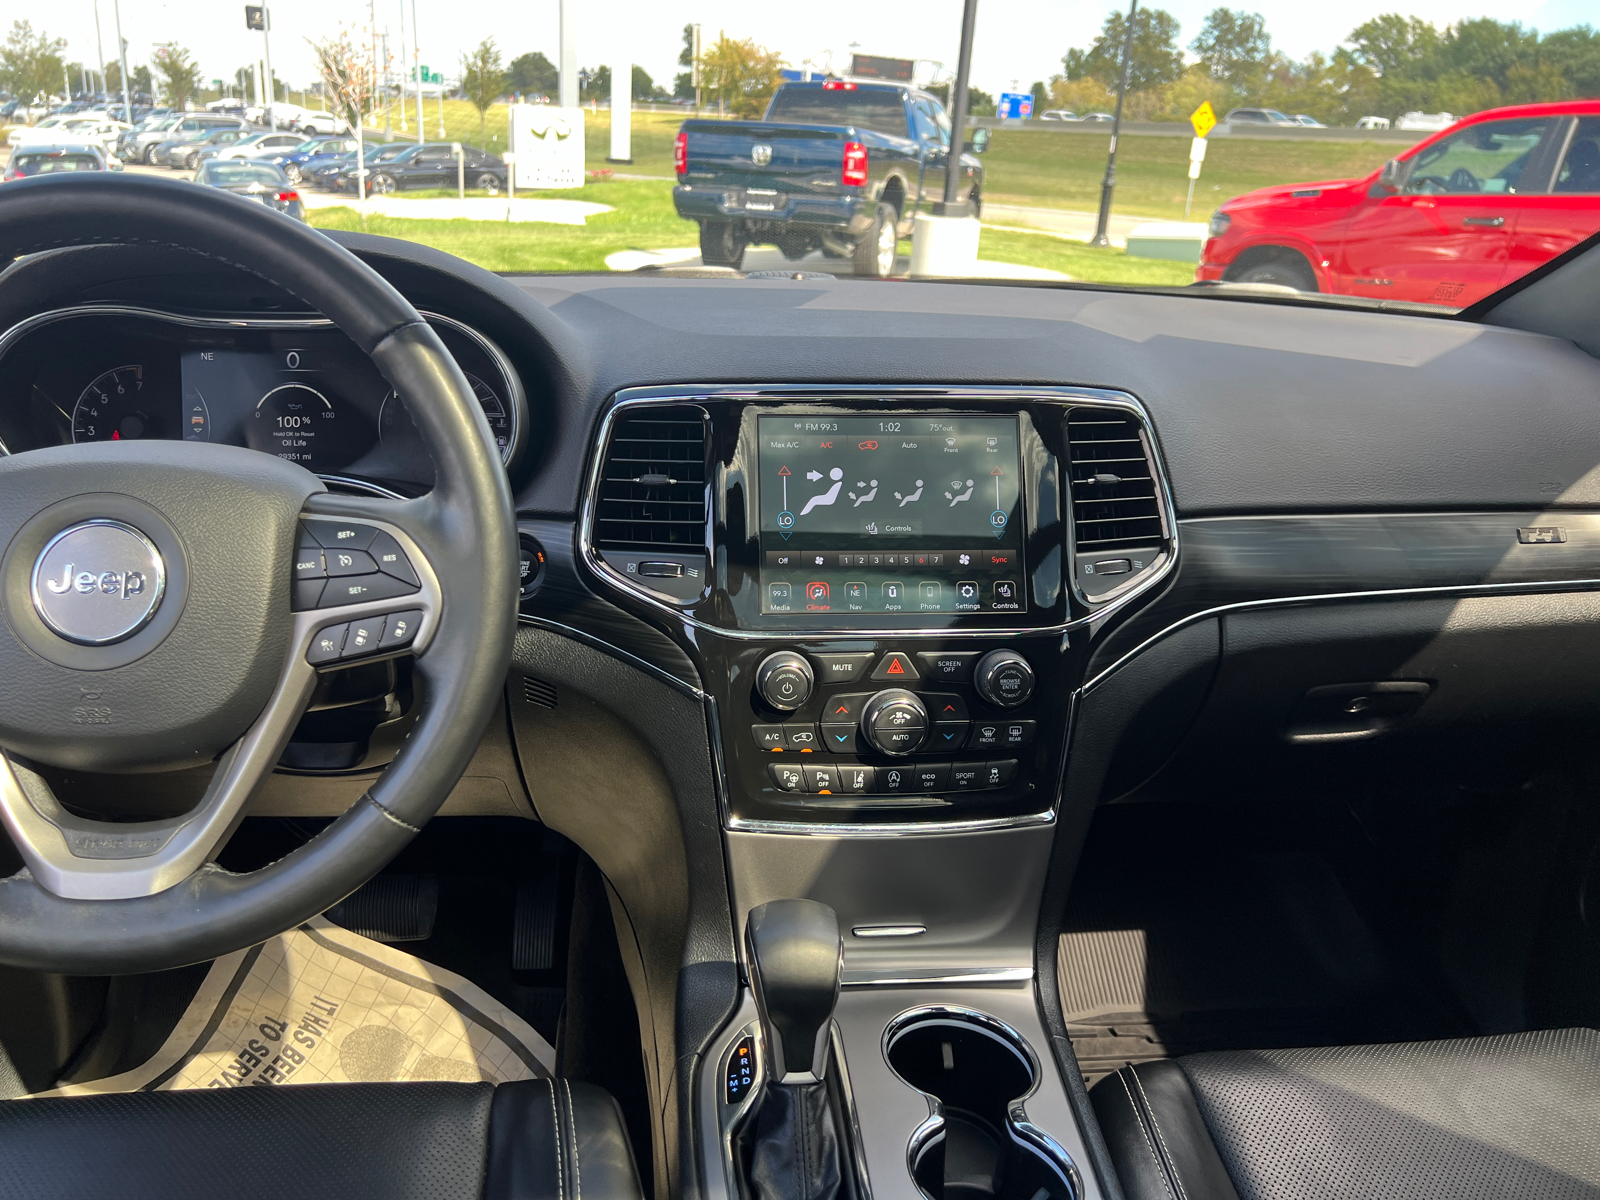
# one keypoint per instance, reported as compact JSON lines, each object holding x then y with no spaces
{"x":1492,"y":221}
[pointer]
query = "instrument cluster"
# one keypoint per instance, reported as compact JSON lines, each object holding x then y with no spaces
{"x":299,"y":389}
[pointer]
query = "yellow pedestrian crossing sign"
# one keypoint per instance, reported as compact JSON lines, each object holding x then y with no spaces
{"x":1204,"y":119}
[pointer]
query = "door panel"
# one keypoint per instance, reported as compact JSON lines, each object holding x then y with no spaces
{"x":1551,"y":224}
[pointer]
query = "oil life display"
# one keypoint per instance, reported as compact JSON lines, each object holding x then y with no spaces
{"x":900,"y":513}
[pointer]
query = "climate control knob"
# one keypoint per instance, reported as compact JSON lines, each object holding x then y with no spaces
{"x":1003,"y":678}
{"x":784,"y":680}
{"x":894,"y":722}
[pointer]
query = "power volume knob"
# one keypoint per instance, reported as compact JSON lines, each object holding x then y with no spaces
{"x":784,"y":680}
{"x":1003,"y":678}
{"x":894,"y":721}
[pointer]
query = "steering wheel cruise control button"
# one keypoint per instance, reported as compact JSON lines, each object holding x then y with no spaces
{"x":346,"y":535}
{"x":308,"y":560}
{"x":390,"y":558}
{"x":363,"y":588}
{"x":343,"y":561}
{"x":327,"y":645}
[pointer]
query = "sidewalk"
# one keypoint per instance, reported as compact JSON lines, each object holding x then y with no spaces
{"x":769,"y":258}
{"x":473,"y":208}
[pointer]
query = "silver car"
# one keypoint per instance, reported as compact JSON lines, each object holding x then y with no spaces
{"x":257,"y":181}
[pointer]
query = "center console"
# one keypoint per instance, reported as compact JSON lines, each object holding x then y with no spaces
{"x":885,"y":585}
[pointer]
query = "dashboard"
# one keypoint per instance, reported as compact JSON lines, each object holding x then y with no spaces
{"x":296,"y":388}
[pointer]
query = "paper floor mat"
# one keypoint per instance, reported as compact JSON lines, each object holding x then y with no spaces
{"x":320,"y":1004}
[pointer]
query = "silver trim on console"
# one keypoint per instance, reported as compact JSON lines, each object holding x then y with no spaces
{"x":516,"y":397}
{"x":690,"y":395}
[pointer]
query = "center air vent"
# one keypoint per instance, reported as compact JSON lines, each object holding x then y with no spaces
{"x":653,"y":482}
{"x":1115,"y":497}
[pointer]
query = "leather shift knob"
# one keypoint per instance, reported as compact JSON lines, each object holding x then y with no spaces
{"x":796,"y":957}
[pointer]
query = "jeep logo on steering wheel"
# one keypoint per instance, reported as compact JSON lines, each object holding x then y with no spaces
{"x":98,"y":582}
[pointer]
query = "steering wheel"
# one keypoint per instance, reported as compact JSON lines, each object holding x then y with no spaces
{"x":151,"y":621}
{"x":1463,"y":180}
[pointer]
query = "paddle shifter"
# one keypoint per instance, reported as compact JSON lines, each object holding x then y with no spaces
{"x":796,"y":957}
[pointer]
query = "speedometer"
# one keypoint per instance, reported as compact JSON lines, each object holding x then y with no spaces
{"x":114,"y":408}
{"x":393,"y":417}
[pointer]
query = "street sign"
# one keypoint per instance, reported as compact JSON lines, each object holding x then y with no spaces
{"x":872,"y":66}
{"x":1015,"y":106}
{"x":1204,"y":119}
{"x":255,"y":16}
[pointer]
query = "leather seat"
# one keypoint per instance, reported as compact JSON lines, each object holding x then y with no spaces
{"x":1516,"y":1115}
{"x":539,"y":1139}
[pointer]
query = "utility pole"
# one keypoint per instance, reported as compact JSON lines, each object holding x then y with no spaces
{"x":416,"y":70}
{"x":122,"y":59}
{"x":1103,"y":222}
{"x":266,"y":55}
{"x":372,"y":77}
{"x":402,"y":66}
{"x":694,"y":68}
{"x":99,"y":49}
{"x":386,"y":105}
{"x":567,"y":59}
{"x":958,"y":109}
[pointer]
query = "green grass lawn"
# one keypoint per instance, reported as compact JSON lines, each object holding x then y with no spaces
{"x":1064,"y":170}
{"x":644,"y":220}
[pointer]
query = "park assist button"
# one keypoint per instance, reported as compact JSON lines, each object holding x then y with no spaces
{"x":841,"y":668}
{"x":895,"y":667}
{"x":787,"y":777}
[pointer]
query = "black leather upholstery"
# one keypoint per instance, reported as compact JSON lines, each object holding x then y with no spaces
{"x":540,"y":1139}
{"x":1473,"y":1119}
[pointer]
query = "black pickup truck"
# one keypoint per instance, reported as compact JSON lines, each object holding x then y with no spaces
{"x":836,"y":165}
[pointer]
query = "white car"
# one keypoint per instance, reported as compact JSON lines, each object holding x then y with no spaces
{"x":24,"y":133}
{"x":260,"y":143}
{"x":1373,"y":123}
{"x":1306,"y":120}
{"x":1058,"y":114}
{"x":103,"y":133}
{"x":1427,"y":122}
{"x":301,"y":120}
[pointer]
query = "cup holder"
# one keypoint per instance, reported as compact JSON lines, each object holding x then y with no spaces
{"x":977,"y":1073}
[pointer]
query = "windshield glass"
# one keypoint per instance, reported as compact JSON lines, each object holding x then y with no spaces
{"x":233,"y":172}
{"x":45,"y":164}
{"x":1404,"y":157}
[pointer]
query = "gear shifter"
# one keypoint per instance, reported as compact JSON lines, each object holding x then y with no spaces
{"x":796,"y":958}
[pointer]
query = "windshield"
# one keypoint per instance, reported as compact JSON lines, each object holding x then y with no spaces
{"x":45,"y":164}
{"x":235,"y":172}
{"x":1396,"y":157}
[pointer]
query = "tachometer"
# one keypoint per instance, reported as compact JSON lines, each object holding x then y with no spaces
{"x":114,"y":408}
{"x":494,"y":408}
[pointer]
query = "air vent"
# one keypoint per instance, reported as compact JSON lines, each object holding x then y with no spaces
{"x":653,"y":482}
{"x":1115,"y":504}
{"x":537,"y":691}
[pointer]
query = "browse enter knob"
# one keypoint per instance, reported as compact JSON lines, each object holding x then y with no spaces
{"x":1003,"y":678}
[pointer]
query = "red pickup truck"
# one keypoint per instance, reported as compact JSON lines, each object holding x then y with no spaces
{"x":1448,"y":222}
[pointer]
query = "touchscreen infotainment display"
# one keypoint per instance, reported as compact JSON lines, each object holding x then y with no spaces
{"x":890,"y":514}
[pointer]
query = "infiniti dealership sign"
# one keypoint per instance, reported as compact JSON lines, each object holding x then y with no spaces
{"x":98,"y":582}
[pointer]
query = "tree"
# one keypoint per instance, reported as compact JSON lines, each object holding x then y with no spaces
{"x":30,"y":63}
{"x":594,"y":83}
{"x":140,"y":82}
{"x":1575,"y":53}
{"x":1234,"y":45}
{"x":1156,"y":58}
{"x":644,"y":88}
{"x":180,"y":74}
{"x":483,"y":79}
{"x":740,"y":75}
{"x":1041,"y":97}
{"x":346,"y":77}
{"x":532,"y":74}
{"x":1392,"y":42}
{"x":683,"y":83}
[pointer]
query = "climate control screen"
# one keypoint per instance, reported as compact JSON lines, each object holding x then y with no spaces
{"x":900,"y":514}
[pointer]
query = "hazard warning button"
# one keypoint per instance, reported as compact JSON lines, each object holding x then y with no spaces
{"x":895,"y":667}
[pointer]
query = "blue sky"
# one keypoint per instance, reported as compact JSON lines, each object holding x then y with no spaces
{"x":1016,"y":39}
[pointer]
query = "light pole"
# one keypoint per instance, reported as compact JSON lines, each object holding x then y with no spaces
{"x":1103,"y":222}
{"x":402,"y":66}
{"x":416,"y":70}
{"x":694,"y":68}
{"x":266,"y":54}
{"x":958,"y":109}
{"x":99,"y":48}
{"x":122,"y":59}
